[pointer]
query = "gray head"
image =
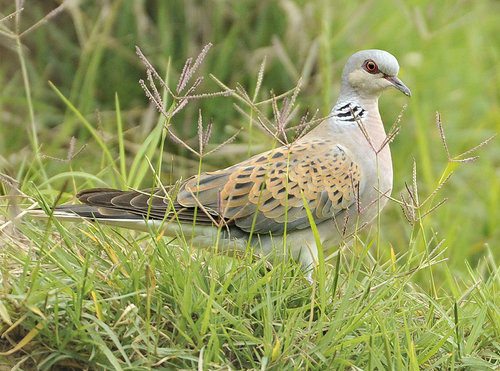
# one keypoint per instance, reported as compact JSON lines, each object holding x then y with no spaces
{"x":368,"y":73}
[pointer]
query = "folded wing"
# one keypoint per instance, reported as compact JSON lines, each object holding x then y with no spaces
{"x":265,"y":193}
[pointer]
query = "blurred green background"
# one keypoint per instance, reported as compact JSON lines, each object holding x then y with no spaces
{"x":449,"y":52}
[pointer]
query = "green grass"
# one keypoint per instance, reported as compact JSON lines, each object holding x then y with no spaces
{"x":418,"y":295}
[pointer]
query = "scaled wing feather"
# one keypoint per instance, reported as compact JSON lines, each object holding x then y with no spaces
{"x":275,"y":184}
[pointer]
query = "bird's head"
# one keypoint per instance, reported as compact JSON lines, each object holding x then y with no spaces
{"x":369,"y":72}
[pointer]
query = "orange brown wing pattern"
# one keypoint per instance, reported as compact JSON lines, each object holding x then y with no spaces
{"x":264,"y":191}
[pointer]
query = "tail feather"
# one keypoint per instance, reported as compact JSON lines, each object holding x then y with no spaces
{"x":79,"y":213}
{"x":205,"y":236}
{"x":95,"y":212}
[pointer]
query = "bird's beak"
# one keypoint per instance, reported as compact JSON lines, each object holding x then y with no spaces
{"x":398,"y":84}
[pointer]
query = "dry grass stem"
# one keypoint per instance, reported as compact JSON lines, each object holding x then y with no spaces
{"x":260,"y":78}
{"x":394,"y":129}
{"x":71,"y":152}
{"x":45,"y":19}
{"x":459,"y":158}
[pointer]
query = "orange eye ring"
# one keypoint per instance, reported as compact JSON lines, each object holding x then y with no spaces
{"x":370,"y":66}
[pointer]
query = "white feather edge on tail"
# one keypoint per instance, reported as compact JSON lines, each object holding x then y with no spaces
{"x":67,"y":216}
{"x":205,"y":236}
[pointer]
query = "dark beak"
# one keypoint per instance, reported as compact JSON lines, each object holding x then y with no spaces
{"x":398,"y":84}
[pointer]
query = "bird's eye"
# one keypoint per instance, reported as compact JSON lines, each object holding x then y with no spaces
{"x":371,"y":66}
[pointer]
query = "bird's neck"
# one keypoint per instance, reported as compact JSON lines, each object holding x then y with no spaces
{"x":352,"y":111}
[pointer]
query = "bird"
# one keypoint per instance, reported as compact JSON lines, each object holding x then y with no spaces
{"x":337,"y":178}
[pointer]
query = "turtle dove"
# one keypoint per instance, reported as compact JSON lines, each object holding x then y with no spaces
{"x":342,"y":171}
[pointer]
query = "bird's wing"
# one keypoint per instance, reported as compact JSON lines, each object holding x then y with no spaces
{"x":266,"y":192}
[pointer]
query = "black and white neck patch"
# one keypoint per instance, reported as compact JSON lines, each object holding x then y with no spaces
{"x":349,"y":112}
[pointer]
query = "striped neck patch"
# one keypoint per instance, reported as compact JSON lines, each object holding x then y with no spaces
{"x":349,"y":112}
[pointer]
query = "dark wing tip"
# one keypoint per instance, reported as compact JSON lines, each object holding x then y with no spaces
{"x":84,"y":195}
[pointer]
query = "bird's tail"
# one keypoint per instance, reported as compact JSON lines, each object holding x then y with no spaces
{"x":81,"y":213}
